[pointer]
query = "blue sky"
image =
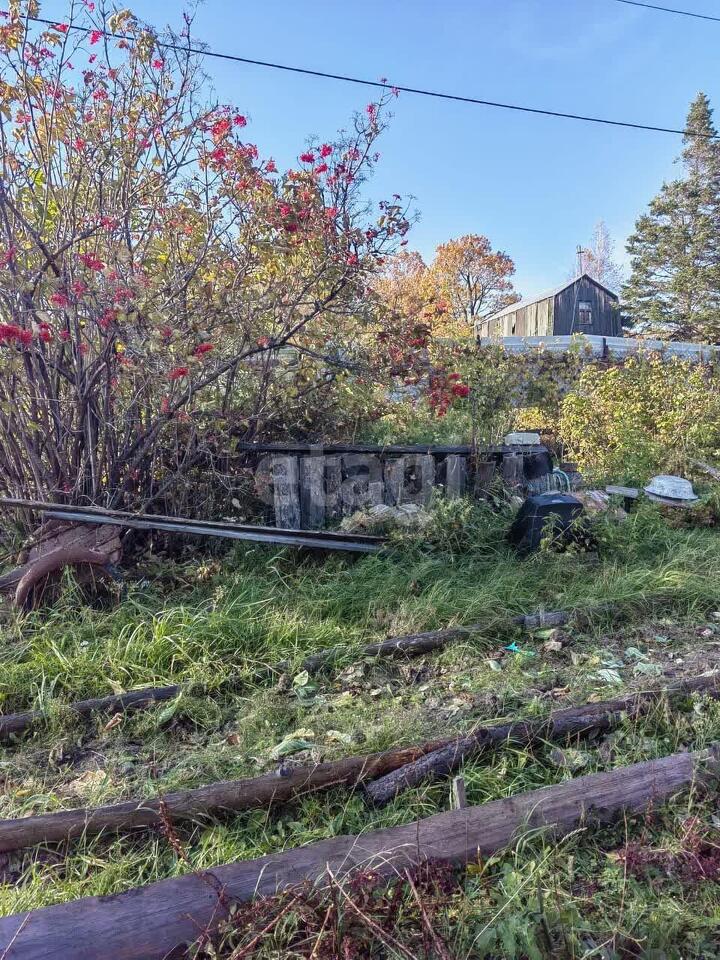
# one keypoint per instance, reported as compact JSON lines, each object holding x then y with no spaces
{"x":534,"y":185}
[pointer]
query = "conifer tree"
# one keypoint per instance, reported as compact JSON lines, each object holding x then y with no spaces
{"x":674,"y":287}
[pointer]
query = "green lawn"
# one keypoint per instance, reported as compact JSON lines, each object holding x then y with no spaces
{"x":223,"y":626}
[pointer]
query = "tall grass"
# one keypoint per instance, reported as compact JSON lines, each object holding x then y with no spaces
{"x":205,"y":625}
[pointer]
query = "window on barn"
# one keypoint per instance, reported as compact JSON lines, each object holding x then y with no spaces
{"x":585,"y":314}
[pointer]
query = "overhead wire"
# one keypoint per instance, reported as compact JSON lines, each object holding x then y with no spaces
{"x":386,"y":85}
{"x":680,"y":13}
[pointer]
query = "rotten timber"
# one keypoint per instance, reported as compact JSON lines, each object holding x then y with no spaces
{"x":392,"y":771}
{"x":415,"y":644}
{"x":15,"y":723}
{"x":222,"y":797}
{"x":559,"y":725}
{"x":150,"y":922}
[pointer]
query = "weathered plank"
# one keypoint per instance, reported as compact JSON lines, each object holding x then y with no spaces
{"x":512,"y":469}
{"x":149,"y":922}
{"x":286,"y":496}
{"x":312,"y":492}
{"x":333,"y":488}
{"x":324,"y":539}
{"x":458,"y":795}
{"x":456,"y":472}
{"x":362,"y":485}
{"x":390,"y":449}
{"x":485,"y":471}
{"x":409,"y":479}
{"x":630,"y":493}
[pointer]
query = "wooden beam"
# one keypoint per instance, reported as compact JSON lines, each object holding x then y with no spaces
{"x":320,"y":539}
{"x":437,"y":450}
{"x":149,"y":922}
{"x":312,"y":492}
{"x":286,"y":493}
{"x":559,"y":725}
{"x":456,"y":474}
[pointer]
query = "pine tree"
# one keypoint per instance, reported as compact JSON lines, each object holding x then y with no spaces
{"x":674,"y":287}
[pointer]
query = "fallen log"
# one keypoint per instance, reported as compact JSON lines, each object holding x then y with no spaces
{"x":559,"y":725}
{"x":227,"y":795}
{"x":15,"y":723}
{"x":392,"y":771}
{"x":150,"y":922}
{"x":415,"y":644}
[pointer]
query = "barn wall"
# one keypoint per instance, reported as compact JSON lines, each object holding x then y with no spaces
{"x":554,"y":315}
{"x":605,"y":313}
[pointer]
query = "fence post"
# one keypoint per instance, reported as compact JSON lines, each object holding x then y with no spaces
{"x":286,"y":498}
{"x":312,"y":492}
{"x":362,"y":486}
{"x":456,"y":472}
{"x":398,"y":490}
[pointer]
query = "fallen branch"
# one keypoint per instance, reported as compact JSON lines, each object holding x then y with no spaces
{"x":150,"y":922}
{"x":15,"y":723}
{"x":392,"y":771}
{"x":561,"y":724}
{"x":415,"y":644}
{"x":227,"y":795}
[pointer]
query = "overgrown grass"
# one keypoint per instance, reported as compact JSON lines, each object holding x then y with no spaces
{"x":219,"y":626}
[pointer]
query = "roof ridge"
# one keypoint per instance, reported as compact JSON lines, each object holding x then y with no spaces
{"x":528,"y":301}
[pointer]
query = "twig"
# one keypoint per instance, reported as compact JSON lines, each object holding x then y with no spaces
{"x":440,"y":946}
{"x":243,"y":951}
{"x":383,"y":935}
{"x":318,"y":940}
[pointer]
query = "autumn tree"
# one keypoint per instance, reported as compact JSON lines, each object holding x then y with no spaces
{"x":674,"y":287}
{"x":154,"y":268}
{"x":472,"y":279}
{"x":402,"y":285}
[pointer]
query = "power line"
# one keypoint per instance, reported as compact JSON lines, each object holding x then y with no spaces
{"x":388,"y":86}
{"x":681,"y":13}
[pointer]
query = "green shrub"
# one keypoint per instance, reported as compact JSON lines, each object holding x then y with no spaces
{"x":644,"y":417}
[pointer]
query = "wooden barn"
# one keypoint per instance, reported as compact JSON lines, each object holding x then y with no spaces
{"x":579,"y":306}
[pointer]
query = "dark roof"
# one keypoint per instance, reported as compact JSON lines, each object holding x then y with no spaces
{"x":518,"y":305}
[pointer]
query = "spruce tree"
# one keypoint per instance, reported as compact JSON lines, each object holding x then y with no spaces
{"x":674,"y":287}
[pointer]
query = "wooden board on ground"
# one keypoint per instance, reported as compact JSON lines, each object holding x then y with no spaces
{"x":149,"y":922}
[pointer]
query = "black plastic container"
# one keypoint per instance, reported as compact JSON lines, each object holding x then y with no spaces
{"x":529,"y":525}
